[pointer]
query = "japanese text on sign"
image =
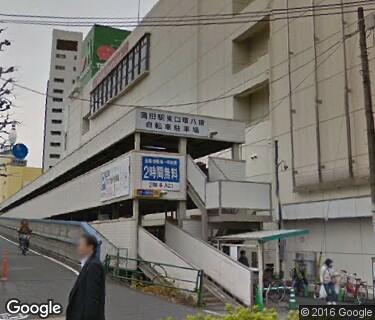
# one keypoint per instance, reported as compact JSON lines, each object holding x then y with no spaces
{"x":172,"y":123}
{"x":115,"y":180}
{"x":161,"y":173}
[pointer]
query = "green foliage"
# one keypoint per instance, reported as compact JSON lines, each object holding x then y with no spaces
{"x":244,"y":314}
{"x":293,"y":315}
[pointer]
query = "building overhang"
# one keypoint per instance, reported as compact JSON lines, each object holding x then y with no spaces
{"x":214,"y":135}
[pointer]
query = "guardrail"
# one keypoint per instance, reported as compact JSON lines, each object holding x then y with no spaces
{"x":157,"y":274}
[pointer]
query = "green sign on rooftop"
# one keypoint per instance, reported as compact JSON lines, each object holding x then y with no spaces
{"x":98,"y":46}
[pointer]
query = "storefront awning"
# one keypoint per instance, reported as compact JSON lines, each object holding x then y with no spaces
{"x":265,"y":236}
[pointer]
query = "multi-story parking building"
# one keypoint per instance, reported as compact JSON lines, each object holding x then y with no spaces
{"x":292,"y":78}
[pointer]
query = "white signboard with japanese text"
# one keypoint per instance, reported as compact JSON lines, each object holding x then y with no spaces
{"x":171,"y":123}
{"x":161,"y":173}
{"x":115,"y":180}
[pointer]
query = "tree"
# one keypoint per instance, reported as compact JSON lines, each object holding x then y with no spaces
{"x":6,"y":99}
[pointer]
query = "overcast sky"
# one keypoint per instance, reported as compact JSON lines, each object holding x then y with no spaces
{"x":31,"y":49}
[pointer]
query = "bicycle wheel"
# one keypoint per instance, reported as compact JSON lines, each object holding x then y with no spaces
{"x":362,"y":294}
{"x":277,"y":291}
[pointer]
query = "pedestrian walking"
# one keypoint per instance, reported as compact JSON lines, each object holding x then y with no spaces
{"x":327,"y":276}
{"x":87,"y":298}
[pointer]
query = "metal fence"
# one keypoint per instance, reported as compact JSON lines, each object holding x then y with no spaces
{"x":157,"y":274}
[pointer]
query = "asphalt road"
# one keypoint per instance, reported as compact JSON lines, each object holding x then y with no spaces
{"x":35,"y":279}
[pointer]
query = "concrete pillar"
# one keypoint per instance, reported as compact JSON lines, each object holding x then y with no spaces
{"x":115,"y":211}
{"x":137,"y":218}
{"x":181,"y":208}
{"x":182,"y":146}
{"x":136,"y":214}
{"x":236,"y":151}
{"x":137,"y":141}
{"x":260,"y":269}
{"x":204,"y":225}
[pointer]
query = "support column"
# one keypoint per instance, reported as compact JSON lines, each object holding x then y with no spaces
{"x":181,"y":208}
{"x":236,"y":151}
{"x":204,"y":222}
{"x":137,"y":218}
{"x":137,"y":141}
{"x":260,"y":270}
{"x":115,"y":211}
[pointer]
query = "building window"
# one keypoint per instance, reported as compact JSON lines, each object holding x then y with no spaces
{"x":54,"y":156}
{"x":58,"y":80}
{"x":56,"y":121}
{"x":60,"y":56}
{"x":135,"y":64}
{"x":55,"y":144}
{"x":56,"y":133}
{"x":73,"y":81}
{"x":57,"y":110}
{"x":57,"y":67}
{"x":67,"y":45}
{"x":59,"y":91}
{"x":74,"y":68}
{"x":57,"y":99}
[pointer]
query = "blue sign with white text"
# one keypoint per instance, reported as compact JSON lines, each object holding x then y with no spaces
{"x":161,"y":173}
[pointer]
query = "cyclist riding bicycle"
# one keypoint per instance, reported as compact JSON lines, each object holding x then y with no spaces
{"x":24,"y":233}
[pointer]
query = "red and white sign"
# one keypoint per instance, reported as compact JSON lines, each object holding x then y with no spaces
{"x":111,"y":64}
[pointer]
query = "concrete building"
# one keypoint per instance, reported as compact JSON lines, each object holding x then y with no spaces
{"x":64,"y":72}
{"x":293,"y":80}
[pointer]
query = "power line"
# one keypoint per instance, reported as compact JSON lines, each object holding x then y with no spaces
{"x":234,"y":19}
{"x":274,"y":11}
{"x":171,"y":105}
{"x":299,"y":84}
{"x":163,"y":24}
{"x":202,"y":102}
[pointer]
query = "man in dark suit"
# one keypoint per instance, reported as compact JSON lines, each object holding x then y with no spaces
{"x":87,"y":298}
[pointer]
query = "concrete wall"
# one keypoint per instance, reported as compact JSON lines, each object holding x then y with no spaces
{"x":348,"y":242}
{"x":122,"y":233}
{"x":54,"y":238}
{"x":228,"y":273}
{"x":57,"y":238}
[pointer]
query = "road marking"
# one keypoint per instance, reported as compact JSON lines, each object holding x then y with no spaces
{"x":7,"y":316}
{"x":44,"y":256}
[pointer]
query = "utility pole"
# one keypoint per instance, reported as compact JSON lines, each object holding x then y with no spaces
{"x":368,"y":105}
{"x":279,"y":212}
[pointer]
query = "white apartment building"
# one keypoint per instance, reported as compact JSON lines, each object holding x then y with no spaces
{"x":294,"y":80}
{"x":64,"y":70}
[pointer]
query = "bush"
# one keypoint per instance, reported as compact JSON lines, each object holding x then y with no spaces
{"x":244,"y":314}
{"x":240,"y":314}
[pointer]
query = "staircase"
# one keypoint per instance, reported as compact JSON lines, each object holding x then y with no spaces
{"x":214,"y":297}
{"x":221,"y":199}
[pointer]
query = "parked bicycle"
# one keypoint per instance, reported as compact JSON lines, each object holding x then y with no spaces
{"x":277,"y":290}
{"x":354,"y":287}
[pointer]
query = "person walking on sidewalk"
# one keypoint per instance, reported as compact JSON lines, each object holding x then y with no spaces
{"x":327,"y":278}
{"x":87,"y":298}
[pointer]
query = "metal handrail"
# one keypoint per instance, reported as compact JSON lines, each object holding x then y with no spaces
{"x":168,"y":280}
